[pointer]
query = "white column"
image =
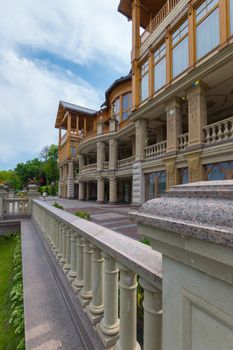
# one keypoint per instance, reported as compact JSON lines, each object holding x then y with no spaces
{"x":108,"y":329}
{"x":78,"y":282}
{"x":86,"y":292}
{"x":96,"y":307}
{"x":72,"y":273}
{"x":67,"y":238}
{"x":100,"y":190}
{"x":128,"y":311}
{"x":152,"y":305}
{"x":112,"y":190}
{"x":100,"y":155}
{"x":81,"y":191}
{"x":113,"y":145}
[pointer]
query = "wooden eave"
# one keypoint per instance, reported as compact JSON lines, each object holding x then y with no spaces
{"x":61,"y":121}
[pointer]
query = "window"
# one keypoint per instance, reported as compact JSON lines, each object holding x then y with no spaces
{"x":156,"y":184}
{"x":126,"y":105}
{"x":160,"y":67}
{"x":116,"y":106}
{"x":219,"y":171}
{"x":144,"y":81}
{"x":207,"y":27}
{"x":184,"y":175}
{"x":231,"y":17}
{"x":180,"y":49}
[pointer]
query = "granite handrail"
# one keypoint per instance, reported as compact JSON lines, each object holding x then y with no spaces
{"x":84,"y":249}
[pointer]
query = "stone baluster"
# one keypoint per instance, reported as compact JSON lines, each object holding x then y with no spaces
{"x":152,"y":305}
{"x":226,"y":131}
{"x":96,"y":307}
{"x":68,"y":253}
{"x":72,"y":273}
{"x":128,"y":311}
{"x":219,"y":132}
{"x":63,"y":245}
{"x":60,"y":229}
{"x":207,"y":135}
{"x":56,"y":250}
{"x":78,"y":282}
{"x":214,"y":135}
{"x":108,"y":328}
{"x":85,"y":294}
{"x":231,"y":129}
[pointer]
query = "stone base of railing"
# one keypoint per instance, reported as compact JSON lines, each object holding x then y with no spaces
{"x":107,"y":340}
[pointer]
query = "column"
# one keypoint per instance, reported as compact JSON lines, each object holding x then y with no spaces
{"x":108,"y":328}
{"x":195,"y":167}
{"x":197,"y":113}
{"x":60,"y":229}
{"x":81,"y":191}
{"x":63,"y":245}
{"x":171,"y":173}
{"x":86,"y":292}
{"x":78,"y":282}
{"x":173,"y":125}
{"x":72,"y":272}
{"x":68,"y":134}
{"x":96,"y":307}
{"x":88,"y":192}
{"x":128,"y":311}
{"x":80,"y":162}
{"x":68,"y":253}
{"x":141,"y":138}
{"x":56,"y":250}
{"x":152,"y":305}
{"x":113,"y":190}
{"x":100,"y":190}
{"x":100,"y":155}
{"x":135,"y":52}
{"x":113,"y":148}
{"x":60,"y":183}
{"x":70,"y":180}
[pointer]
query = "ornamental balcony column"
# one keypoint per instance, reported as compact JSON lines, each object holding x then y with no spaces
{"x":100,"y":155}
{"x":70,"y":180}
{"x":78,"y":282}
{"x":140,"y":138}
{"x":85,"y":294}
{"x":81,"y":191}
{"x":112,"y":190}
{"x":67,"y":248}
{"x":96,"y":307}
{"x":128,"y":311}
{"x":152,"y":305}
{"x":72,"y":272}
{"x":108,"y":328}
{"x":100,"y":190}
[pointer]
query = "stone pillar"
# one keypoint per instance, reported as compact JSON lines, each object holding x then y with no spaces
{"x":80,"y":162}
{"x":195,"y":167}
{"x":72,"y":273}
{"x":108,"y":329}
{"x":100,"y":155}
{"x":112,"y":190}
{"x":128,"y":311}
{"x":68,"y":253}
{"x":113,"y":144}
{"x":152,"y":305}
{"x":3,"y":193}
{"x":100,"y":190}
{"x":138,"y":184}
{"x":78,"y":282}
{"x":171,"y":173}
{"x":197,"y":114}
{"x":60,"y":183}
{"x":81,"y":191}
{"x":141,"y":138}
{"x":173,"y":125}
{"x":96,"y":307}
{"x":100,"y":126}
{"x":88,"y":192}
{"x":112,"y":125}
{"x":86,"y":292}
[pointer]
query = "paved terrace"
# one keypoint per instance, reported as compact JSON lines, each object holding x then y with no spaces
{"x":114,"y":217}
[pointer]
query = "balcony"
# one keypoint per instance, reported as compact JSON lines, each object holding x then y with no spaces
{"x":125,"y":163}
{"x":183,"y":141}
{"x":155,"y":151}
{"x":89,"y":168}
{"x":218,"y":132}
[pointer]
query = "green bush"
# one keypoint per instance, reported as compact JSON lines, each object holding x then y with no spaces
{"x":145,"y":241}
{"x":83,"y":215}
{"x":52,"y":190}
{"x":57,"y":205}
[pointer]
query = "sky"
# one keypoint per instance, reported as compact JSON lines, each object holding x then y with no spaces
{"x":53,"y":50}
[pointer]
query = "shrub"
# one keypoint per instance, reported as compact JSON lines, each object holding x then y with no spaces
{"x":145,"y":241}
{"x":52,"y":190}
{"x":57,"y":205}
{"x":83,"y":215}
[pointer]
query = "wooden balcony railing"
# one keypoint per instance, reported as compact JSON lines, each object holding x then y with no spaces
{"x":125,"y":163}
{"x":156,"y":150}
{"x":92,"y":260}
{"x":183,"y":141}
{"x":159,"y":17}
{"x":220,"y":131}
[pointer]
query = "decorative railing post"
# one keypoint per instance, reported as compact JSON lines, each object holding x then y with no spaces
{"x":152,"y":305}
{"x":67,"y":248}
{"x":60,"y":229}
{"x":108,"y":328}
{"x":78,"y":282}
{"x":63,"y":245}
{"x":72,"y":273}
{"x":128,"y":311}
{"x":85,"y":294}
{"x":96,"y":307}
{"x":56,"y":250}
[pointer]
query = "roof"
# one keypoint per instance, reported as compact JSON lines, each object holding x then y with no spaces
{"x":115,"y":84}
{"x":76,"y":108}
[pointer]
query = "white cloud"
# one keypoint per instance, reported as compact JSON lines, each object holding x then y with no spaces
{"x":82,"y":32}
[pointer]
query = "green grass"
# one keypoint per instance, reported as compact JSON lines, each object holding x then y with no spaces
{"x":8,"y":339}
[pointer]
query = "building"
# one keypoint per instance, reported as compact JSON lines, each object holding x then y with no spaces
{"x":179,"y":128}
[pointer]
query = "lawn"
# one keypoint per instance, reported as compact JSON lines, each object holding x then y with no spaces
{"x":8,"y":339}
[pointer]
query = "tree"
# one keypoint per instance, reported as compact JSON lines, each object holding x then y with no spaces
{"x":44,"y":153}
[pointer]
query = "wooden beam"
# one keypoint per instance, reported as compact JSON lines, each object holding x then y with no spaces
{"x":168,"y":58}
{"x":135,"y":30}
{"x":191,"y":36}
{"x":224,"y":21}
{"x":151,"y":73}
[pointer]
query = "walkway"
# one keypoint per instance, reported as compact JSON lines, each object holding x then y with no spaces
{"x":115,"y":217}
{"x":48,"y":322}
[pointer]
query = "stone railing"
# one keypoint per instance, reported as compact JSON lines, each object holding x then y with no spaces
{"x":156,"y":150}
{"x":105,"y":165}
{"x":220,"y":131}
{"x":125,"y":163}
{"x":88,"y":168}
{"x":183,"y":141}
{"x":16,"y":207}
{"x":93,"y":257}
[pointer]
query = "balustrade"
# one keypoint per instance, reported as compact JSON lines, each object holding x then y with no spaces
{"x":183,"y":141}
{"x":156,"y":150}
{"x":89,"y":168}
{"x":105,"y":165}
{"x":220,"y":131}
{"x":94,"y":257}
{"x":125,"y":163}
{"x":16,"y":206}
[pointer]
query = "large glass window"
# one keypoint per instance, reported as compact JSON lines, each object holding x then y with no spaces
{"x":156,"y":184}
{"x":231,"y":17}
{"x":145,"y":81}
{"x":160,"y":67}
{"x":219,"y":171}
{"x":207,"y":27}
{"x":126,"y":105}
{"x":180,"y":49}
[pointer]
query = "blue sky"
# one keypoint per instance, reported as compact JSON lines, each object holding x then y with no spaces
{"x":49,"y":51}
